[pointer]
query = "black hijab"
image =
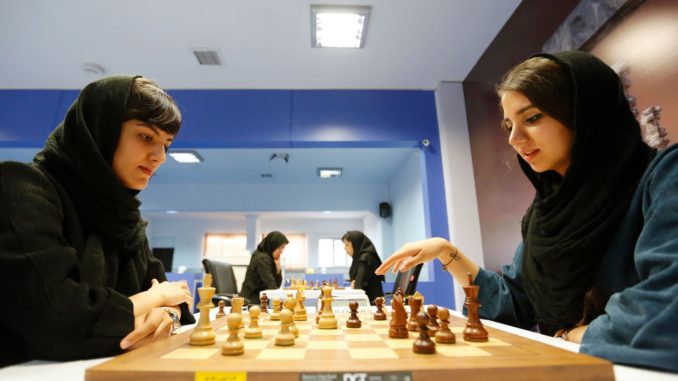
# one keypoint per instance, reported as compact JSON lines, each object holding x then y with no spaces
{"x":272,"y":241}
{"x":569,"y":225}
{"x":363,"y":251}
{"x":79,"y":155}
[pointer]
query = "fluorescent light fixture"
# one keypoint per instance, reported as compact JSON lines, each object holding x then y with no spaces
{"x":171,"y":212}
{"x":339,"y":26}
{"x":327,"y":173}
{"x":186,"y":156}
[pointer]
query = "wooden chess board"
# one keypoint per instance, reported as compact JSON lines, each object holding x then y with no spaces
{"x":360,"y":350}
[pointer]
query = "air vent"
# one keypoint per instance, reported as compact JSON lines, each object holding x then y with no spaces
{"x":208,"y":57}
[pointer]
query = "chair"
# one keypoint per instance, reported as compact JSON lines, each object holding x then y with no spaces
{"x":223,"y":279}
{"x":407,"y":281}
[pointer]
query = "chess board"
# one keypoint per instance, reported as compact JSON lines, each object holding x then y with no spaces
{"x":320,"y":354}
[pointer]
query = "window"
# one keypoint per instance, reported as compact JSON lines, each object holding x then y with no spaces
{"x":331,"y":253}
{"x":225,"y":245}
{"x":295,"y":252}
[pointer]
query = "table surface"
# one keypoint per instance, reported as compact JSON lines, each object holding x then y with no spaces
{"x":75,"y":370}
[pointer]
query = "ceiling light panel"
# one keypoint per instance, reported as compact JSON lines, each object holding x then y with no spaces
{"x":186,"y":156}
{"x":339,"y":26}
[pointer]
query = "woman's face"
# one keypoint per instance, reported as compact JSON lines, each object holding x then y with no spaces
{"x":140,"y":152}
{"x":542,"y":141}
{"x":348,"y":246}
{"x":278,"y":252}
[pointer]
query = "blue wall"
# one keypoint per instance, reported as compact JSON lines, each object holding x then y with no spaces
{"x":277,"y":118}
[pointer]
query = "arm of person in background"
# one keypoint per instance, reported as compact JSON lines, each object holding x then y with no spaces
{"x":270,"y":279}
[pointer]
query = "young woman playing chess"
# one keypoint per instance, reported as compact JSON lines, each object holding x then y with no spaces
{"x":79,"y":277}
{"x":598,"y":264}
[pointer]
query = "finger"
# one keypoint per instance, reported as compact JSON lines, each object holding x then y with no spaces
{"x":403,"y":252}
{"x":144,"y":329}
{"x":154,"y":282}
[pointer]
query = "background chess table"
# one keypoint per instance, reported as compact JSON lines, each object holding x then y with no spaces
{"x":367,"y":349}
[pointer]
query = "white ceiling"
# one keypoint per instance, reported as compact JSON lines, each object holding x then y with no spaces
{"x":266,"y":44}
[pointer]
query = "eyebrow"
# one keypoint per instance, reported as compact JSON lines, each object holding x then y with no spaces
{"x":522,"y":110}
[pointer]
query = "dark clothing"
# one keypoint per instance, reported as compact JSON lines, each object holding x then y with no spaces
{"x":365,"y":262}
{"x":261,"y":272}
{"x":572,"y":220}
{"x":639,"y":275}
{"x":73,"y":246}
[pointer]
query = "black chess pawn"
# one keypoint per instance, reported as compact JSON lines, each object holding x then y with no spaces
{"x":433,"y":319}
{"x":444,"y":334}
{"x":423,"y":344}
{"x":263,"y":303}
{"x":380,"y":314}
{"x":353,"y":320}
{"x":221,"y":312}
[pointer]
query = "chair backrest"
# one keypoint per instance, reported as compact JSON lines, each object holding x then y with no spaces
{"x":223,"y":277}
{"x":407,"y":281}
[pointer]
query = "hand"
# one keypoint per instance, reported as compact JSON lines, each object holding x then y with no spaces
{"x":171,"y":293}
{"x":576,"y":334}
{"x":156,"y":324}
{"x":414,"y":253}
{"x":278,"y":267}
{"x":353,"y":284}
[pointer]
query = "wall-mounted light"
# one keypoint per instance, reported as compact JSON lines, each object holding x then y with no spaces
{"x":184,"y":156}
{"x":339,"y":26}
{"x":327,"y":173}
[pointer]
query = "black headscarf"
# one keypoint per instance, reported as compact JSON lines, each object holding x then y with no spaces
{"x":79,"y":154}
{"x":363,"y":251}
{"x":568,"y":227}
{"x":272,"y":241}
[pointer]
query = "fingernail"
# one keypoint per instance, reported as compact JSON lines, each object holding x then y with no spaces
{"x":124,"y":344}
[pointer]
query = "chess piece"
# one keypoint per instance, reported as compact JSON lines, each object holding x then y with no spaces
{"x":398,"y":325}
{"x":290,"y":302}
{"x":415,"y":307}
{"x":474,"y":330}
{"x":353,"y":320}
{"x":432,"y":319}
{"x":327,"y":319}
{"x":320,"y":310}
{"x":399,"y":291}
{"x":285,"y":337}
{"x":221,"y":312}
{"x":253,"y":331}
{"x":277,"y":306}
{"x":444,"y":334}
{"x":423,"y":344}
{"x":237,"y":302}
{"x":299,"y":309}
{"x":336,"y":283}
{"x":263,"y":303}
{"x":203,"y":334}
{"x":380,"y":314}
{"x":233,"y":345}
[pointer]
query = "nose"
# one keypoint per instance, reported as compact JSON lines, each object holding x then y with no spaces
{"x":517,"y":136}
{"x":158,"y":155}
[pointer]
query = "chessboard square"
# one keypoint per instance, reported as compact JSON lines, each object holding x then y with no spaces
{"x":372,"y":353}
{"x":363,"y":337}
{"x":327,"y":332}
{"x":327,"y":345}
{"x":256,"y":344}
{"x":491,"y":342}
{"x":457,"y":330}
{"x":455,"y":350}
{"x":221,"y":337}
{"x":379,"y":323}
{"x":381,"y":331}
{"x":191,"y":353}
{"x":399,"y":343}
{"x":270,"y":332}
{"x":281,"y":353}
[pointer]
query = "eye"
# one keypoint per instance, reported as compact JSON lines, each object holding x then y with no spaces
{"x":146,"y":138}
{"x":534,"y":118}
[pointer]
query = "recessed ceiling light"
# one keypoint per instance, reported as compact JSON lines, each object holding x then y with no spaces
{"x":339,"y":26}
{"x":171,"y":212}
{"x":186,"y":156}
{"x":327,"y":173}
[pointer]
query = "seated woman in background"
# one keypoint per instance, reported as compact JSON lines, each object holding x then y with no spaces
{"x":264,"y":271}
{"x":598,"y":264}
{"x":365,"y":262}
{"x":79,"y":277}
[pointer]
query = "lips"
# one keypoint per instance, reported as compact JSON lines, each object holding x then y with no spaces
{"x":529,"y":155}
{"x":146,"y":170}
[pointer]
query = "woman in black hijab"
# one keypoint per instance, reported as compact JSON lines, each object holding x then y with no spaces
{"x":264,"y":271}
{"x":79,"y":276}
{"x":598,"y":264}
{"x":365,"y":262}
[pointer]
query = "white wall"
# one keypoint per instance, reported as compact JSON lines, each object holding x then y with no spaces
{"x":460,"y":190}
{"x":408,"y":207}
